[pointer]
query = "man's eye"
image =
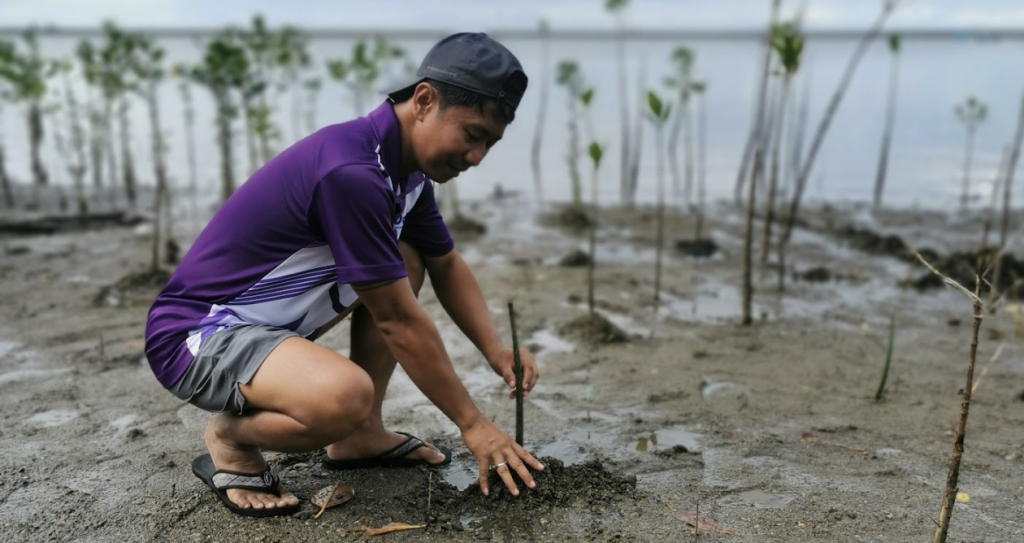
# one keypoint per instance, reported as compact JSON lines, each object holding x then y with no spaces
{"x":471,"y":138}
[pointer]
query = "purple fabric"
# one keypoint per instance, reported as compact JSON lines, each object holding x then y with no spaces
{"x":339,"y":187}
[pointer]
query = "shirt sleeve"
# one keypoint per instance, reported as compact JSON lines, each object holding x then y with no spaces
{"x":354,"y":210}
{"x":424,"y":228}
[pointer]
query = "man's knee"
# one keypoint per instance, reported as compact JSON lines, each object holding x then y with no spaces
{"x":414,"y":266}
{"x":343,"y":408}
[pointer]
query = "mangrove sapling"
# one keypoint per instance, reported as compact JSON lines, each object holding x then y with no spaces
{"x":890,"y":118}
{"x":98,"y":122}
{"x":78,"y":165}
{"x":259,"y":43}
{"x":6,"y":95}
{"x":26,"y":74}
{"x":658,"y":113}
{"x":5,"y":180}
{"x":699,"y":88}
{"x":953,"y":477}
{"x":291,"y":56}
{"x":971,"y":113}
{"x":757,"y":127}
{"x":150,"y":72}
{"x":361,"y":71}
{"x":569,"y":77}
{"x":826,"y":121}
{"x":788,"y":44}
{"x":542,"y":110}
{"x":682,"y":57}
{"x":222,"y":70}
{"x":888,"y":357}
{"x":118,"y":55}
{"x":518,"y":369}
{"x":596,"y":152}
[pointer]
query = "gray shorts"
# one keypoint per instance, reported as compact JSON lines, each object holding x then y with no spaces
{"x":227,"y":359}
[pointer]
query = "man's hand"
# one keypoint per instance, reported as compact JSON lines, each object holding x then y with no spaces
{"x":496,"y":449}
{"x":503,"y":363}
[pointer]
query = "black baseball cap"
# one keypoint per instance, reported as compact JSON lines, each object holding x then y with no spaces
{"x":475,"y":62}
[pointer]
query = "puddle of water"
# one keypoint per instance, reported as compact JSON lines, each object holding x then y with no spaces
{"x":759,"y":499}
{"x":668,"y":438}
{"x":49,"y":419}
{"x":25,"y":374}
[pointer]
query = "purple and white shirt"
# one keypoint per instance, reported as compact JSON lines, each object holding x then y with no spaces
{"x":285,"y":248}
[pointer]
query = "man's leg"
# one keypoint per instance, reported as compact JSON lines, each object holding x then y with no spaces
{"x":371,"y":352}
{"x":303,"y":397}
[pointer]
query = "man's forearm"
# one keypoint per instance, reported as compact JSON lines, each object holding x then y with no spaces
{"x":461,"y":297}
{"x":417,"y":345}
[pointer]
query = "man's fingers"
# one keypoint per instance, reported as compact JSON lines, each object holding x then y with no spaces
{"x":524,"y":473}
{"x":528,"y":458}
{"x":484,"y":469}
{"x":506,"y":477}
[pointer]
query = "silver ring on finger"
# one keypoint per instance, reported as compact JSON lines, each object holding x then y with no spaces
{"x":498,"y":465}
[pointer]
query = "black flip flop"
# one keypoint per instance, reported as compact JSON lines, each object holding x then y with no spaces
{"x":221,"y":480}
{"x":394,"y":458}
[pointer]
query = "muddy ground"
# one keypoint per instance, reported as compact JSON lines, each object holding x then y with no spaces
{"x":770,"y":431}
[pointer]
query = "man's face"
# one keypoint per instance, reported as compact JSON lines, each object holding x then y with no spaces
{"x":456,"y":139}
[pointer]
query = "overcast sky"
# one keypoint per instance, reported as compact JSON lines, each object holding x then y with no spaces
{"x":484,"y":14}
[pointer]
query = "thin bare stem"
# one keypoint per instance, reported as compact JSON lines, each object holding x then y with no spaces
{"x":518,"y":368}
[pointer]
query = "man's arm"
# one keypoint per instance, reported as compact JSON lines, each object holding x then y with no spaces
{"x":416,"y":343}
{"x":460,"y":295}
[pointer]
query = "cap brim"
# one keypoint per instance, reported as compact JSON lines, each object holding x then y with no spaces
{"x":402,"y":84}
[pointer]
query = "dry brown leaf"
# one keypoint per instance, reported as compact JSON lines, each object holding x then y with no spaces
{"x":388,"y":528}
{"x":331,"y":496}
{"x":701,"y":524}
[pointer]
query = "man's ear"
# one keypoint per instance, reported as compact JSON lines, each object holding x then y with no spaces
{"x":424,"y":100}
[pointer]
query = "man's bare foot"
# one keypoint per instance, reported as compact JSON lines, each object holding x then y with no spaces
{"x":371,"y":443}
{"x":228,"y":456}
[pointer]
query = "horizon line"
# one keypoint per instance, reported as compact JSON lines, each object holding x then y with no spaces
{"x":937,"y":33}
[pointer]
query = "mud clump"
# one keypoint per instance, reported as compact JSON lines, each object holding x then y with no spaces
{"x":594,"y":328}
{"x":697,"y":248}
{"x":963,"y":267}
{"x":575,"y":259}
{"x":582,"y":487}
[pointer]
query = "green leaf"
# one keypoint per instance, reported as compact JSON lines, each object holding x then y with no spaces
{"x":894,"y":43}
{"x":586,"y":96}
{"x":596,"y":152}
{"x":654,"y":104}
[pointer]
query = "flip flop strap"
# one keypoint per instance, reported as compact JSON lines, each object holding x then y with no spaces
{"x":404,"y":447}
{"x":266,"y":481}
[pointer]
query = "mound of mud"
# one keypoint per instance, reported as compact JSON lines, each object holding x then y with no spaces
{"x":697,"y":248}
{"x":575,"y":259}
{"x":568,"y":217}
{"x":963,"y":267}
{"x":592,"y":329}
{"x":585,"y":487}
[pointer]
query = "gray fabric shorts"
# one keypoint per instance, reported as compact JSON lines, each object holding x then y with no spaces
{"x":227,"y":359}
